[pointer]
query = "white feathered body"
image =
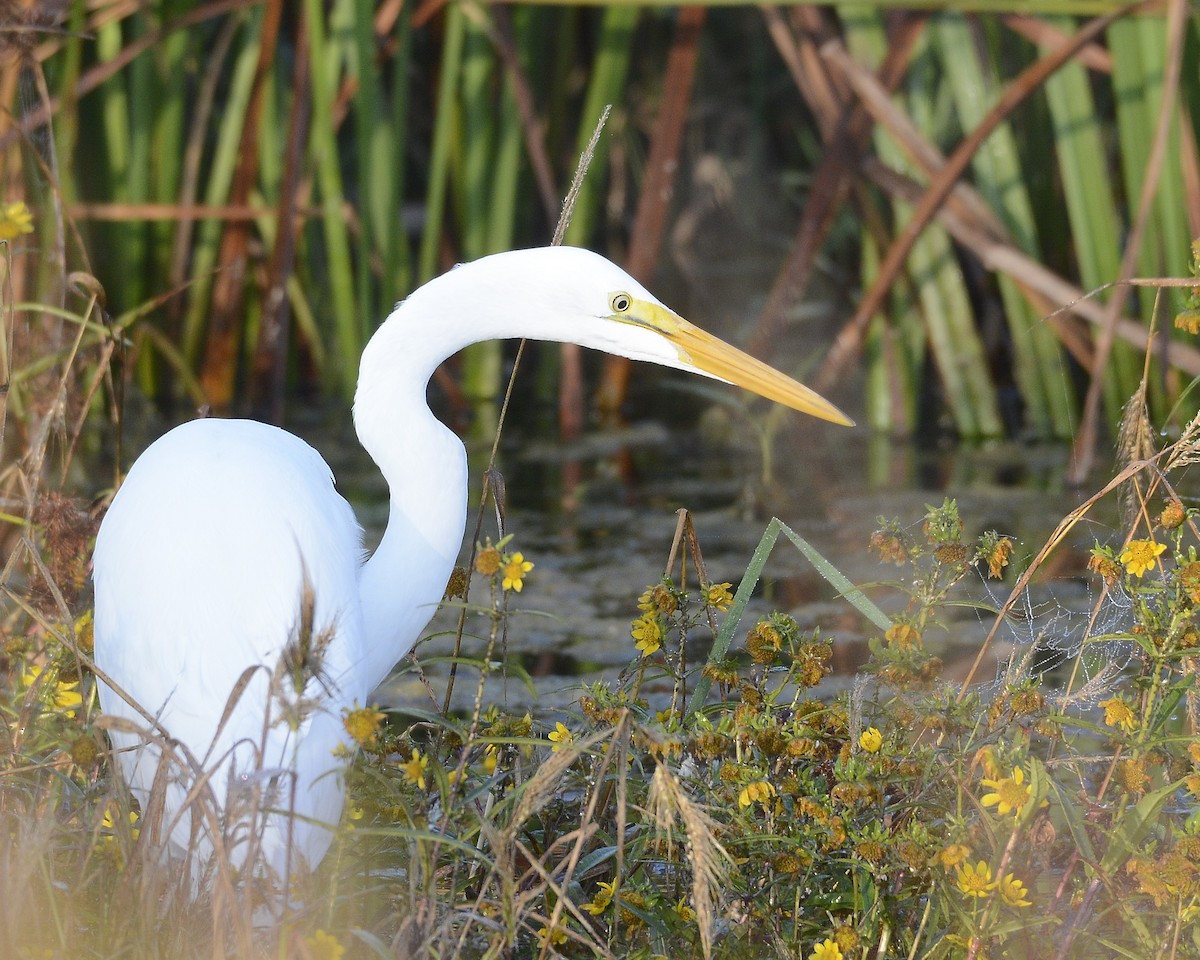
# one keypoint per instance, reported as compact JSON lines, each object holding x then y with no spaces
{"x":201,"y":570}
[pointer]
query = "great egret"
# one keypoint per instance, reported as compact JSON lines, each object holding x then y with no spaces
{"x":232,"y":600}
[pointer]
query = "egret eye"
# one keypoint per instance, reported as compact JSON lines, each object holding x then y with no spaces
{"x":620,"y":302}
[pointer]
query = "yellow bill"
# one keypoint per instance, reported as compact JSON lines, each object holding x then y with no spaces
{"x":708,"y":354}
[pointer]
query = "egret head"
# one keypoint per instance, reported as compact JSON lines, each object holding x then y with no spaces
{"x":571,"y":295}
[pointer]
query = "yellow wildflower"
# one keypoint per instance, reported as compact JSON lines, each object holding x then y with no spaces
{"x":871,"y":740}
{"x":602,"y":899}
{"x":1117,"y":713}
{"x":560,"y":736}
{"x":760,"y":791}
{"x":108,"y":825}
{"x":552,"y":937}
{"x":1141,"y":555}
{"x":827,"y":949}
{"x":515,"y":568}
{"x":682,"y":910}
{"x":647,"y":631}
{"x":953,"y":855}
{"x":65,"y":693}
{"x":1009,"y":794}
{"x":718,"y":595}
{"x":362,"y":723}
{"x":324,"y":946}
{"x":903,"y":636}
{"x":414,"y":769}
{"x":975,"y":881}
{"x":1188,"y":321}
{"x":1013,"y":891}
{"x":15,"y":219}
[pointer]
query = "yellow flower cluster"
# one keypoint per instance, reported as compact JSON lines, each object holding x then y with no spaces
{"x":510,"y":567}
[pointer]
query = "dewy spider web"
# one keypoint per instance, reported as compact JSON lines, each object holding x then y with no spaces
{"x":1049,"y":631}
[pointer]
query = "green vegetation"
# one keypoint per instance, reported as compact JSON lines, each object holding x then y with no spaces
{"x":909,"y":816}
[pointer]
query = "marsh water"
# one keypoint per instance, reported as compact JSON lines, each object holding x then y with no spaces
{"x":597,"y":518}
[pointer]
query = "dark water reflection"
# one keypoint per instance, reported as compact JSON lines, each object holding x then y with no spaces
{"x":571,"y":622}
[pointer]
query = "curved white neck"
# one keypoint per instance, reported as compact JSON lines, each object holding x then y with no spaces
{"x":531,"y":294}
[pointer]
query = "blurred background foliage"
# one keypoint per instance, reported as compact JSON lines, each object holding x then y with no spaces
{"x":903,"y":206}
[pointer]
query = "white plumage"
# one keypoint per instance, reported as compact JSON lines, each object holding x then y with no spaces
{"x":228,"y":542}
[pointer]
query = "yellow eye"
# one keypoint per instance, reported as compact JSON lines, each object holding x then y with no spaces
{"x":620,"y":302}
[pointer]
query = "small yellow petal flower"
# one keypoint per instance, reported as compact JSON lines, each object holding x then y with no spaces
{"x":871,"y":740}
{"x":491,"y":754}
{"x":1009,"y":794}
{"x":1013,"y":891}
{"x":65,"y":693}
{"x":324,"y":946}
{"x":602,"y":900}
{"x":760,"y":791}
{"x":684,"y":912}
{"x":15,"y":219}
{"x":718,"y":595}
{"x":560,"y":736}
{"x":647,"y":631}
{"x":515,"y":568}
{"x":553,"y":937}
{"x":362,"y":723}
{"x":826,"y":950}
{"x":414,"y":769}
{"x":953,"y":855}
{"x":1117,"y":713}
{"x":976,"y":881}
{"x":1142,"y":555}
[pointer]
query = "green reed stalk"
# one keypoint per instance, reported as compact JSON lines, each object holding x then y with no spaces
{"x":1039,"y":364}
{"x":327,"y":59}
{"x":221,"y":166}
{"x":614,"y":48}
{"x":1095,"y":226}
{"x":443,"y":136}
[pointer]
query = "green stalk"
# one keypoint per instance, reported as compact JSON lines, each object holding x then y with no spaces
{"x":216,"y":189}
{"x":1039,"y":365}
{"x":326,"y":68}
{"x":480,"y":378}
{"x":933,"y":269}
{"x":1138,"y":48}
{"x":443,"y":134}
{"x":1091,"y":209}
{"x":607,"y":82}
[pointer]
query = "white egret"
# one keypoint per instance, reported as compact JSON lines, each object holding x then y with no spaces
{"x":227,"y":558}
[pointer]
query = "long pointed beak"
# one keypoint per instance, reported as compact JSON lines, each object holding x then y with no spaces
{"x":717,"y":358}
